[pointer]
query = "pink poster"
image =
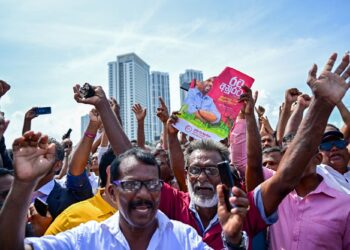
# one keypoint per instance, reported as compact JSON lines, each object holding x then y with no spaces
{"x":211,"y":106}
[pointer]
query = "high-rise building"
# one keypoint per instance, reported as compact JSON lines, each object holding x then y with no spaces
{"x":84,"y":122}
{"x":185,"y":80}
{"x":159,"y":87}
{"x":129,"y":84}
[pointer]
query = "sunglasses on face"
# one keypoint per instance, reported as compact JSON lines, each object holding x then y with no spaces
{"x":209,"y":171}
{"x":339,"y":144}
{"x":133,"y":186}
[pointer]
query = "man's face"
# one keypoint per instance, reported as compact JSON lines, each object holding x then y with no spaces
{"x":5,"y":186}
{"x":207,"y":85}
{"x":166,"y":172}
{"x":336,"y":156}
{"x":267,"y":141}
{"x":202,"y":187}
{"x":137,"y":208}
{"x":94,"y":163}
{"x":271,"y":160}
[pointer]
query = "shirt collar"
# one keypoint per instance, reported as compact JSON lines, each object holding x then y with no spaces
{"x":47,"y":188}
{"x":104,"y":206}
{"x":322,"y":188}
{"x":213,"y":221}
{"x":112,"y":224}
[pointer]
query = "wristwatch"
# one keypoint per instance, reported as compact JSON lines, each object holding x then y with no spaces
{"x":243,"y":245}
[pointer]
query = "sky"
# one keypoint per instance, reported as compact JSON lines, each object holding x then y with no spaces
{"x":47,"y":46}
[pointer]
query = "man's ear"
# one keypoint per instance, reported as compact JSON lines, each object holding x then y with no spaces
{"x":113,"y":194}
{"x":57,"y":166}
{"x":318,"y":158}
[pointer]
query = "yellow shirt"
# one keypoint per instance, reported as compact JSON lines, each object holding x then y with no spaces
{"x":95,"y":208}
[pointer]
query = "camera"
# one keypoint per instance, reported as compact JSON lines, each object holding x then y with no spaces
{"x":86,"y":91}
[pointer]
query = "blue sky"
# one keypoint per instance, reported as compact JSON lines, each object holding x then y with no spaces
{"x":48,"y":46}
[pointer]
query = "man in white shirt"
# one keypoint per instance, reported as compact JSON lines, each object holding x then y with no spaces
{"x":334,"y":168}
{"x":135,"y":191}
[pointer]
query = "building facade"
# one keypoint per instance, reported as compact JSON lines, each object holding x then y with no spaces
{"x":129,"y":83}
{"x":159,"y":86}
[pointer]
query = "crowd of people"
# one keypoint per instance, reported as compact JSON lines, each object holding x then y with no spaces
{"x":291,"y":184}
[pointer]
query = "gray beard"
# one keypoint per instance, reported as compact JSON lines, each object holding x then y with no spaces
{"x":200,"y":201}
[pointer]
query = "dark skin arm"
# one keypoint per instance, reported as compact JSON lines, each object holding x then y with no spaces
{"x":176,"y":156}
{"x":140,"y":114}
{"x":82,"y":151}
{"x":32,"y":160}
{"x":295,"y":119}
{"x":254,"y":174}
{"x":290,"y":97}
{"x":345,"y":114}
{"x":117,"y":137}
{"x":328,"y":89}
{"x":163,"y":115}
{"x":28,"y":117}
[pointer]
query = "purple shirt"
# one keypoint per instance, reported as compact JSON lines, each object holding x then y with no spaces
{"x":320,"y":220}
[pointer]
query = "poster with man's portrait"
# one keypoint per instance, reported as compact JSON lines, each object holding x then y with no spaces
{"x":211,"y":107}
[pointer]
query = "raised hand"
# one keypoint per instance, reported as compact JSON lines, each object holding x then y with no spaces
{"x":93,"y":100}
{"x":304,"y":101}
{"x":330,"y":86}
{"x":4,"y":87}
{"x":248,"y":100}
{"x":30,"y":114}
{"x":291,"y":95}
{"x":139,"y":112}
{"x":171,"y":122}
{"x":32,"y":156}
{"x":232,"y":221}
{"x":95,"y":117}
{"x":162,"y":111}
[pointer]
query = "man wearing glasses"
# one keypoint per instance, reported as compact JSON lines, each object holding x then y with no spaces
{"x":135,"y":191}
{"x":334,"y":168}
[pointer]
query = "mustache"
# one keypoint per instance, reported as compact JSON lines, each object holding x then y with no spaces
{"x":204,"y":185}
{"x":137,"y":203}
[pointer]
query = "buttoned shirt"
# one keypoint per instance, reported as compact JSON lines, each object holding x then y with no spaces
{"x":320,"y":220}
{"x":196,"y":100}
{"x":44,"y":191}
{"x":107,"y":235}
{"x":95,"y":208}
{"x":177,"y":205}
{"x":335,"y":179}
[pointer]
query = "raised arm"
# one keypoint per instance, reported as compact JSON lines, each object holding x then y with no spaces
{"x":345,"y":114}
{"x":117,"y":137}
{"x":290,"y":97}
{"x":254,"y":174}
{"x":303,"y":102}
{"x":32,"y":160}
{"x":82,"y":151}
{"x":28,"y":117}
{"x":328,"y":89}
{"x":176,"y":156}
{"x":163,"y":115}
{"x":140,"y":114}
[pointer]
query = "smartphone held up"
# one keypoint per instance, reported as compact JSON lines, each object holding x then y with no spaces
{"x":86,"y":91}
{"x":227,"y":180}
{"x":42,"y":110}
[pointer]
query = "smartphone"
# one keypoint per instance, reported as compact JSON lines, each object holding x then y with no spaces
{"x":67,"y":135}
{"x":42,"y":110}
{"x":227,"y":180}
{"x":41,"y":206}
{"x":86,"y":91}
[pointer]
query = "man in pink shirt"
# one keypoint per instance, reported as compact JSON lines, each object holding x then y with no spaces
{"x":313,"y":215}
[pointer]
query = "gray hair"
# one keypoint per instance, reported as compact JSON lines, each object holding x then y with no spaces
{"x":208,"y":145}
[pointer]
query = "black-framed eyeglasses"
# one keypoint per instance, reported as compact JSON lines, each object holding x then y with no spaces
{"x":134,"y":186}
{"x":327,"y":146}
{"x":196,"y":171}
